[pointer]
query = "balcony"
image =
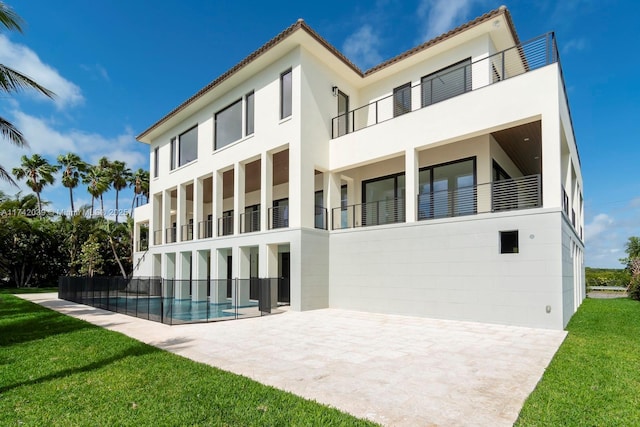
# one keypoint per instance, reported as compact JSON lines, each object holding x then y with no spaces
{"x":450,"y":82}
{"x":278,"y":217}
{"x":205,"y":229}
{"x":225,"y":226}
{"x":186,"y":232}
{"x":498,"y":196}
{"x":250,"y":221}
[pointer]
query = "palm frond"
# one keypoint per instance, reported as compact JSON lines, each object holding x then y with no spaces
{"x":10,"y":132}
{"x":9,"y":19}
{"x":4,"y":176}
{"x":14,"y":81}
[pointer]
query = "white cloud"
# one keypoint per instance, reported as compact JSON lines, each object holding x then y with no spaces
{"x":26,"y":61}
{"x":361,"y":47}
{"x":600,"y":223}
{"x":97,"y":71}
{"x":440,"y":16}
{"x":574,"y":45}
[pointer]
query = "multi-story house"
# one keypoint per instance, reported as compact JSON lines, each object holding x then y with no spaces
{"x":444,"y":182}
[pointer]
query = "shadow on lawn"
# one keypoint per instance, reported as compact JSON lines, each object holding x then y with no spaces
{"x":22,"y":321}
{"x":136,"y":350}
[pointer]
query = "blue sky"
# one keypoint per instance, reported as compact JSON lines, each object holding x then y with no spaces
{"x":118,"y":66}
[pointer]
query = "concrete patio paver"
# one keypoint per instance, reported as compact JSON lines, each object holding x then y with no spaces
{"x":394,"y":370}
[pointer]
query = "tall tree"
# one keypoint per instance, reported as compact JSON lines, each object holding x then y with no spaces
{"x":104,"y":167}
{"x":72,"y":169}
{"x":140,"y":183}
{"x":120,"y":177}
{"x":38,"y":172}
{"x":97,"y":184}
{"x":12,"y":81}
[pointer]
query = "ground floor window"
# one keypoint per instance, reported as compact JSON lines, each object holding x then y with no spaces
{"x":448,"y":189}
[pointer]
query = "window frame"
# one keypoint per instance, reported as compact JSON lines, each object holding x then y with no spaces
{"x":156,"y":161}
{"x":288,"y":72}
{"x":215,"y":123}
{"x":468,"y":80}
{"x":179,"y":148}
{"x":249,"y":107}
{"x":402,"y":89}
{"x":172,"y":153}
{"x":503,"y":235}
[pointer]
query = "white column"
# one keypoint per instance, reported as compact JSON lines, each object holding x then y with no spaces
{"x":184,"y":269}
{"x":200,"y":283}
{"x":166,"y":214}
{"x":198,"y":206}
{"x":266,"y":188}
{"x":332,"y":199}
{"x":181,"y":211}
{"x":411,"y":184}
{"x":216,"y":200}
{"x":219,"y":286}
{"x":238,"y":195}
{"x":242,"y":260}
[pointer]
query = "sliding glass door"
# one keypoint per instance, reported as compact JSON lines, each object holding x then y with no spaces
{"x":447,"y":190}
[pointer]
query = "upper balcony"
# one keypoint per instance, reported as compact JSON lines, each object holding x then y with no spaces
{"x":452,"y":81}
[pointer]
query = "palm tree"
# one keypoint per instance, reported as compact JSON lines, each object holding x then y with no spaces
{"x":104,"y":167}
{"x":120,"y":178}
{"x":72,"y":168}
{"x":12,"y":81}
{"x":97,"y":184}
{"x":38,"y":173}
{"x":140,"y":183}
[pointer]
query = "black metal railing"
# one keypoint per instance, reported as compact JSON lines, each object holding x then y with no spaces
{"x":140,"y":200}
{"x":381,"y":212}
{"x":278,"y":217}
{"x":205,"y":229}
{"x":171,"y":235}
{"x":174,"y":301}
{"x":157,"y":237}
{"x":225,"y":226}
{"x":320,"y":218}
{"x":531,"y":55}
{"x":250,"y":221}
{"x":504,"y":195}
{"x":186,"y":232}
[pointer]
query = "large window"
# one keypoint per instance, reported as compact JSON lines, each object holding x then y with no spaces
{"x":156,"y":162}
{"x":286,"y":98}
{"x":249,"y":113}
{"x":172,"y":159}
{"x":188,"y":150}
{"x":446,"y":83}
{"x":447,"y":190}
{"x":402,"y":100}
{"x":383,"y":200}
{"x":228,"y":125}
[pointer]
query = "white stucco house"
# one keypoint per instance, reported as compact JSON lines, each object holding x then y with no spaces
{"x":444,"y":182}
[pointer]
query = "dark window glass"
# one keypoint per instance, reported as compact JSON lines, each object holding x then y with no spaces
{"x":228,"y":125}
{"x":447,"y":190}
{"x":188,"y":150}
{"x":402,"y":100}
{"x":172,"y":160}
{"x":249,"y":114}
{"x":343,"y":116}
{"x":383,"y":200}
{"x":446,"y":83}
{"x":509,"y":242}
{"x":285,"y":94}
{"x":156,"y":162}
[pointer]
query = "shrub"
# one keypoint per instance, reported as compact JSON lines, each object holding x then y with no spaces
{"x":634,"y":288}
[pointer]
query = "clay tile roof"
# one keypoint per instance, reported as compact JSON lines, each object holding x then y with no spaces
{"x":301,"y":24}
{"x":487,"y":16}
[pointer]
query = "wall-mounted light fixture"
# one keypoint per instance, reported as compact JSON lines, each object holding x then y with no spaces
{"x":334,"y":90}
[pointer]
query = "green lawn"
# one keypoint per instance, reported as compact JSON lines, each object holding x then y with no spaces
{"x":594,"y":379}
{"x":57,"y":370}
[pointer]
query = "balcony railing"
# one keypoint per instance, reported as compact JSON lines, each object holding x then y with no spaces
{"x":320,"y":219}
{"x":170,"y":235}
{"x":225,"y":226}
{"x":504,"y":195}
{"x":186,"y":232}
{"x":520,"y":59}
{"x":278,"y":217}
{"x":205,"y":229}
{"x":366,"y":214}
{"x":250,"y":221}
{"x":157,"y":237}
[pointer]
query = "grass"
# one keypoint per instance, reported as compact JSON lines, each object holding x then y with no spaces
{"x":26,"y":290}
{"x":594,"y":378}
{"x":57,"y":370}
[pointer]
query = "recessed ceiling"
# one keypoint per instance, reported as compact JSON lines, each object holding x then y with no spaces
{"x":523,"y":144}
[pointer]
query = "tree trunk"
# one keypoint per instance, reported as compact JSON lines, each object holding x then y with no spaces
{"x":102,"y":205}
{"x":117,"y":212}
{"x":39,"y":205}
{"x":71,"y":198}
{"x":92,"y":199}
{"x":115,"y":254}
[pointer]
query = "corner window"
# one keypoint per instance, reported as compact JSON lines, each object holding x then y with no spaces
{"x":249,"y":113}
{"x":285,"y":94}
{"x":155,"y":162}
{"x":228,"y":125}
{"x":172,"y":160}
{"x":509,"y":242}
{"x":188,"y":146}
{"x":402,"y":100}
{"x":446,"y":83}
